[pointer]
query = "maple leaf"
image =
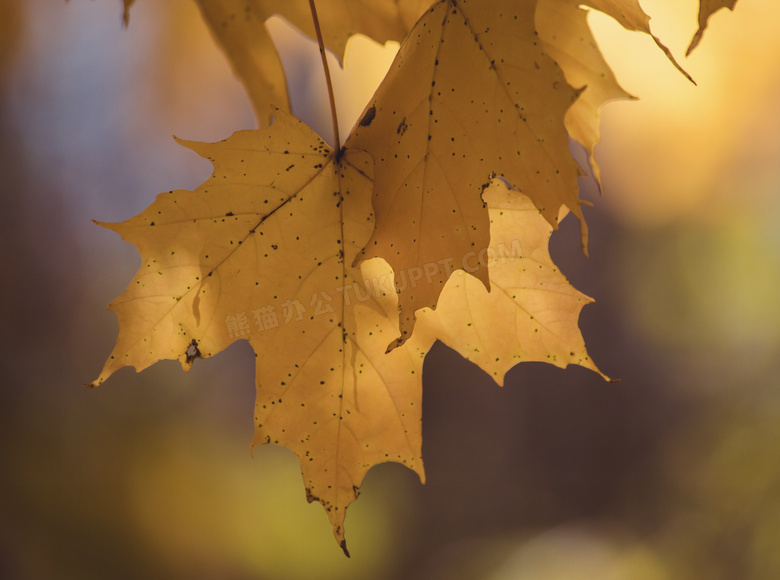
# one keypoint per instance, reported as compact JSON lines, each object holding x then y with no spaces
{"x":470,"y":94}
{"x":706,"y":9}
{"x":264,"y":251}
{"x":239,"y":27}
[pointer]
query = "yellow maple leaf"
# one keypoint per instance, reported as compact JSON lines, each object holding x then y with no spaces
{"x":531,"y":311}
{"x":470,"y":94}
{"x":706,"y":9}
{"x":264,"y":251}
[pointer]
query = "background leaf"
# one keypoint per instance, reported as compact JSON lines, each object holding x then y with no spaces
{"x":563,"y":28}
{"x":531,"y":312}
{"x":239,"y":27}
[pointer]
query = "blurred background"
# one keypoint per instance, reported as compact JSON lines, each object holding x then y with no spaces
{"x":671,"y":473}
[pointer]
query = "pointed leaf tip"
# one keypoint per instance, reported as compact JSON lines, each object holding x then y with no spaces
{"x":706,"y":9}
{"x":343,"y":545}
{"x":126,"y":4}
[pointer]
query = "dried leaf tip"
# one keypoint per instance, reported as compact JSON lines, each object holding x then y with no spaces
{"x":343,"y":545}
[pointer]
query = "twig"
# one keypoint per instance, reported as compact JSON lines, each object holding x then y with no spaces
{"x":333,"y":115}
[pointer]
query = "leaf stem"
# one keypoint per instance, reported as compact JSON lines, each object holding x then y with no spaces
{"x":333,"y":115}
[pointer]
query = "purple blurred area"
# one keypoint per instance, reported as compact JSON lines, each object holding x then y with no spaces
{"x":671,"y":473}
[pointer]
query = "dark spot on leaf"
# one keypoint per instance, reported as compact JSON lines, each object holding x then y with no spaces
{"x":368,"y":117}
